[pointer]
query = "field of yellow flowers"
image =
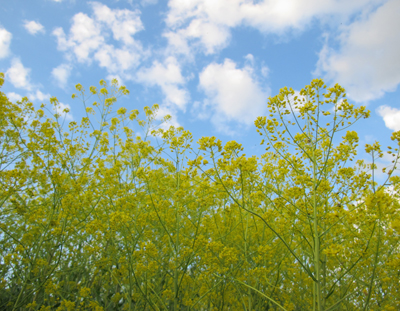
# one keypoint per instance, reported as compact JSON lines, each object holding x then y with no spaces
{"x":96,"y":218}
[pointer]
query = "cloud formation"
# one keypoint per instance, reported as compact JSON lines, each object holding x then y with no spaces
{"x":367,"y":62}
{"x":38,"y":95}
{"x":61,"y":74}
{"x":165,"y":110}
{"x":391,"y":117}
{"x":33,"y":27}
{"x":233,"y":94}
{"x":88,"y":38}
{"x":206,"y":25}
{"x":199,"y":33}
{"x":59,"y":109}
{"x":14,"y":97}
{"x":5,"y":41}
{"x":18,"y":75}
{"x":169,"y":78}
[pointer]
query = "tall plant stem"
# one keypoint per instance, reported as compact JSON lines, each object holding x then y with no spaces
{"x":317,"y":299}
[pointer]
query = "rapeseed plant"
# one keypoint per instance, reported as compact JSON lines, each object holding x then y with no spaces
{"x":94,"y":220}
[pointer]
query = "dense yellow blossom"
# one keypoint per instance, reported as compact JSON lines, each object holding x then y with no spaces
{"x":116,"y":223}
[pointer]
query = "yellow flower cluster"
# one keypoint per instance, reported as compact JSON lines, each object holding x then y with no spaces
{"x":115,"y":223}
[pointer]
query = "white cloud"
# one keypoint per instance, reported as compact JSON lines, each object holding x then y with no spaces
{"x":33,"y":27}
{"x":14,"y":97}
{"x":211,"y":36}
{"x":123,"y":23}
{"x":206,"y":23}
{"x":391,"y":117}
{"x":201,"y":33}
{"x":61,"y":74}
{"x":5,"y":41}
{"x":85,"y":37}
{"x":115,"y":76}
{"x":60,"y":110}
{"x":117,"y":60}
{"x":38,"y":96}
{"x":233,"y":93}
{"x":177,"y":43}
{"x":367,"y":63}
{"x":88,"y":37}
{"x":167,"y":76}
{"x":18,"y":75}
{"x":162,"y":112}
{"x":281,"y":16}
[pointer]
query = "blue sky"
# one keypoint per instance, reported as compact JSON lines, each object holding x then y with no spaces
{"x":210,"y":64}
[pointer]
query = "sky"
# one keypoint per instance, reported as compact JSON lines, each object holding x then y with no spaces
{"x":210,"y":64}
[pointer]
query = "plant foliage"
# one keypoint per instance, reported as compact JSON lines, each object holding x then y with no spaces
{"x":96,"y":218}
